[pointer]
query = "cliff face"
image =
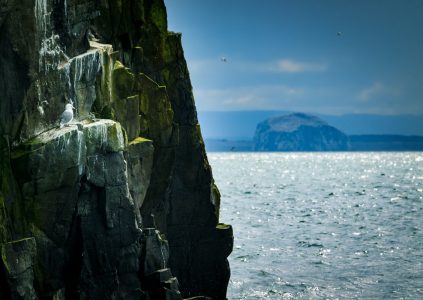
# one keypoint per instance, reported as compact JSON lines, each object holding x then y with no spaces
{"x":298,"y":132}
{"x":117,"y":203}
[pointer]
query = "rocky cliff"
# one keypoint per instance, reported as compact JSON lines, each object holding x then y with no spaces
{"x":121,"y":202}
{"x":298,"y":132}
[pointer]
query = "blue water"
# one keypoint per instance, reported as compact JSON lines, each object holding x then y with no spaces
{"x":323,"y":225}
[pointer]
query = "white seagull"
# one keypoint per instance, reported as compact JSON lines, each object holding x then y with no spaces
{"x":67,"y":115}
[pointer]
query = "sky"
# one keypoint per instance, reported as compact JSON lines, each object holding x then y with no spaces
{"x":317,"y":56}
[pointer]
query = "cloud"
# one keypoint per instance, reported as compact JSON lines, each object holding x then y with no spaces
{"x":293,"y":66}
{"x":377,"y":90}
{"x":251,"y":97}
{"x":283,"y":65}
{"x":312,"y":99}
{"x":370,"y":92}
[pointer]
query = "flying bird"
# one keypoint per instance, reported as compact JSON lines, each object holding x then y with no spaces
{"x":339,"y":33}
{"x":223,"y":59}
{"x":67,"y":115}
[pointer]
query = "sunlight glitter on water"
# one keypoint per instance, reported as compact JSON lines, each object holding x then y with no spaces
{"x":323,"y":225}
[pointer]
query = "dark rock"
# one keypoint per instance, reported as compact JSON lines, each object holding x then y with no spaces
{"x":82,"y":191}
{"x":18,"y":260}
{"x":139,"y":157}
{"x":156,"y":252}
{"x":298,"y":132}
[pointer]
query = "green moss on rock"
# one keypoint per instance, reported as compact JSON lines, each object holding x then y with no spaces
{"x":222,"y":226}
{"x":122,"y":81}
{"x":139,"y":140}
{"x":215,"y":199}
{"x":127,"y":114}
{"x":107,"y":113}
{"x":104,"y":136}
{"x":158,"y":15}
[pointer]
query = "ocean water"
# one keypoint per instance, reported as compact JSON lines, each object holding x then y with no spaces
{"x":323,"y":225}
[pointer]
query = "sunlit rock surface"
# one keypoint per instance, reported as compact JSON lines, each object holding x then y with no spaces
{"x":298,"y":132}
{"x":121,"y":202}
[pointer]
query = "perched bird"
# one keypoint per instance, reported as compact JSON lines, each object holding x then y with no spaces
{"x":67,"y":115}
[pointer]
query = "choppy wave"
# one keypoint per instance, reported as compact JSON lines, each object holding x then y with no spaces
{"x":323,"y":225}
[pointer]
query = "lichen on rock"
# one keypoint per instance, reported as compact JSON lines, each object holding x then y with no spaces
{"x":121,"y":202}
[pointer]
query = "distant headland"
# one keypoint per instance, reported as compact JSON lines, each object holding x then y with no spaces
{"x":298,"y":132}
{"x":304,"y":132}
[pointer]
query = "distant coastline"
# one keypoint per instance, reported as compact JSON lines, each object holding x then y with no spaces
{"x":241,"y":125}
{"x":367,"y":142}
{"x":234,"y":131}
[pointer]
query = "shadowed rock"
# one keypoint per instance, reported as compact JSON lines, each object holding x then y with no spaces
{"x":83,"y":192}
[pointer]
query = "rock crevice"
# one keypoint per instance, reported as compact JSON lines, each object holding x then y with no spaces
{"x":121,"y":202}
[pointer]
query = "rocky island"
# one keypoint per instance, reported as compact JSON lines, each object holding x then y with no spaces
{"x":298,"y":132}
{"x":120,"y":203}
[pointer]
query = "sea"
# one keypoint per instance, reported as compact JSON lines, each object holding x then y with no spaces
{"x":333,"y":225}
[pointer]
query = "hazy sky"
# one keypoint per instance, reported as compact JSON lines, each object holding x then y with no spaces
{"x":329,"y":57}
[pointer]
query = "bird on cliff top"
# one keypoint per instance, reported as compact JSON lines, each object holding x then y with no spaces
{"x":67,"y":115}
